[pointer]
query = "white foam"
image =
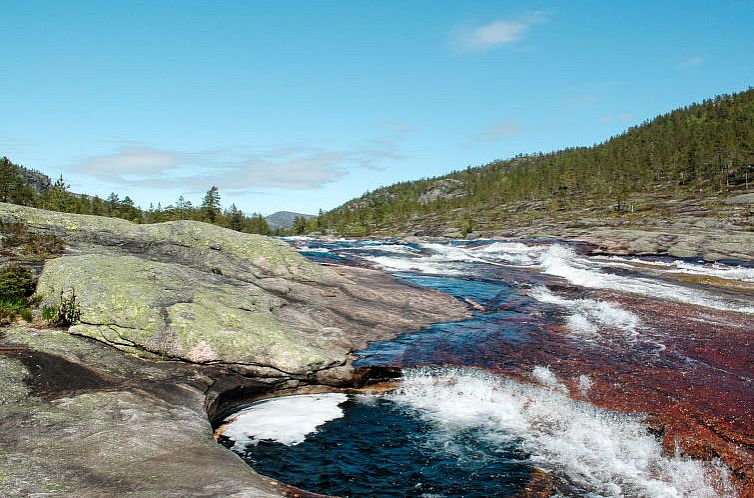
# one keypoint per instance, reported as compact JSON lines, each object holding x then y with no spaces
{"x":313,"y":249}
{"x":515,"y":253}
{"x":286,"y":420}
{"x":426,"y":265}
{"x":544,"y":376}
{"x":719,"y":270}
{"x":297,"y":238}
{"x":588,"y":316}
{"x":585,"y":384}
{"x":391,"y":248}
{"x":436,"y":259}
{"x":603,"y":453}
{"x":563,"y":262}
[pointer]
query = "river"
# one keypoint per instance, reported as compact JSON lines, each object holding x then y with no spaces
{"x":577,"y":375}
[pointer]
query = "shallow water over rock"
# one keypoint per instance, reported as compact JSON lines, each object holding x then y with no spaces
{"x":649,"y":360}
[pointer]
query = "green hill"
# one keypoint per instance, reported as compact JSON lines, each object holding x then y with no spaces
{"x":702,"y":152}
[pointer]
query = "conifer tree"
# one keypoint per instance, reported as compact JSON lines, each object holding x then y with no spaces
{"x":211,"y":205}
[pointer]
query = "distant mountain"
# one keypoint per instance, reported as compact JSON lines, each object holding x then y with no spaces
{"x":284,"y":219}
{"x":703,"y":151}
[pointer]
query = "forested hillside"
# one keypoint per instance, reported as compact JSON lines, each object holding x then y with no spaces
{"x":20,"y":185}
{"x":701,"y":151}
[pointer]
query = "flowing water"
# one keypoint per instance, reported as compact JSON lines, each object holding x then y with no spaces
{"x":576,"y":375}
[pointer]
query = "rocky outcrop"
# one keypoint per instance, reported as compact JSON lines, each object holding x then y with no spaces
{"x":204,"y":294}
{"x":83,"y":419}
{"x":447,"y":188}
{"x":708,"y":244}
{"x":178,"y":320}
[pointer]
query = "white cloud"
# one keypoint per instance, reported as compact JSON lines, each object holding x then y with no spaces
{"x":297,"y":168}
{"x":131,"y":160}
{"x":468,"y":38}
{"x":499,"y":131}
{"x":689,"y":63}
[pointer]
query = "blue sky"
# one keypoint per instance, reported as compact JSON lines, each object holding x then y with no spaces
{"x":304,"y":105}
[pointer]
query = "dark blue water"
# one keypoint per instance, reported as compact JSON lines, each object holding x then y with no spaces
{"x":379,"y":449}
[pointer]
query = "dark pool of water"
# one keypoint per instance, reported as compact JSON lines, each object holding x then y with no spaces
{"x":379,"y":449}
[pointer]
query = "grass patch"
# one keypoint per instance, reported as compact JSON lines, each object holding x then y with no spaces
{"x":16,"y":288}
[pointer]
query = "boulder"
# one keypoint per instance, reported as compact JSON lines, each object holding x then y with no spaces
{"x":204,"y":294}
{"x":181,"y":312}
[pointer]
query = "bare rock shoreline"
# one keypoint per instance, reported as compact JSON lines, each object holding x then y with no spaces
{"x":179,"y":321}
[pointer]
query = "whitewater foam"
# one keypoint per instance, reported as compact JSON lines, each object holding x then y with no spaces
{"x":287,"y":420}
{"x":585,"y":384}
{"x":599,"y":452}
{"x":435,"y":259}
{"x":514,"y":253}
{"x":563,"y":262}
{"x":718,"y":270}
{"x":588,"y":316}
{"x":390,"y":248}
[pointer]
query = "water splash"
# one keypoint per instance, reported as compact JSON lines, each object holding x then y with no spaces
{"x":598,"y":452}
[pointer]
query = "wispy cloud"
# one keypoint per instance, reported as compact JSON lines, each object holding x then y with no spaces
{"x":620,"y":117}
{"x":296,"y":168}
{"x":499,"y":131}
{"x":501,"y":32}
{"x":689,"y":63}
{"x":11,"y":145}
{"x":133,"y":161}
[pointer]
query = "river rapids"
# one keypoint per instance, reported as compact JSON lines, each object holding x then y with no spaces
{"x":577,"y":375}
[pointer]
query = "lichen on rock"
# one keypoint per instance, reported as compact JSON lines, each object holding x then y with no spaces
{"x":169,"y":310}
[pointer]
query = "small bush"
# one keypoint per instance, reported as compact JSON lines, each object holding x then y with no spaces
{"x":16,"y":282}
{"x":64,"y":314}
{"x":18,"y":239}
{"x":26,"y":315}
{"x":16,"y":285}
{"x":49,"y":312}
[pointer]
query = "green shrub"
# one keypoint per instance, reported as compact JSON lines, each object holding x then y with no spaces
{"x":49,"y":312}
{"x":26,"y":315}
{"x":64,"y":314}
{"x":10,"y":308}
{"x":16,"y":282}
{"x":18,"y":239}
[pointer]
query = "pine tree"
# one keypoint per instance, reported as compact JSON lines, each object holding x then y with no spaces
{"x":211,"y":205}
{"x":235,"y":218}
{"x":58,"y":198}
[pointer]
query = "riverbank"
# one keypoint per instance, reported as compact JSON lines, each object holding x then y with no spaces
{"x":178,"y":322}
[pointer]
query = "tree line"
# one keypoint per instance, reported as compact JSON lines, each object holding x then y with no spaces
{"x":704,"y":149}
{"x":20,"y":185}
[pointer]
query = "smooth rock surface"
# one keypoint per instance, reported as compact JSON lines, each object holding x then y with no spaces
{"x":134,"y":428}
{"x":178,"y":320}
{"x":205,"y":294}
